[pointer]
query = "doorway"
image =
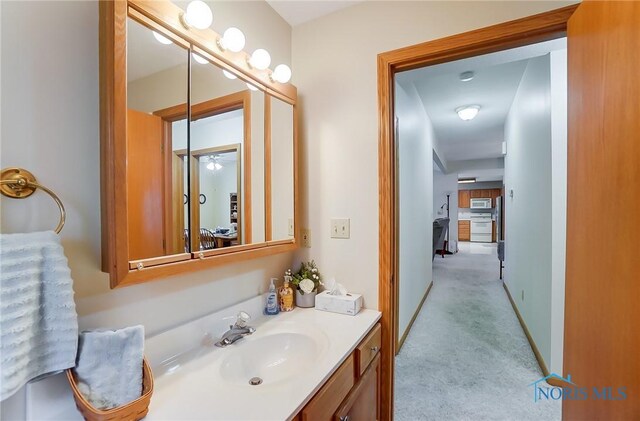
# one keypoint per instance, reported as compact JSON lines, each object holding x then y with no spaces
{"x":613,"y":28}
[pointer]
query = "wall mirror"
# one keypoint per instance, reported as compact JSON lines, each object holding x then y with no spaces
{"x":198,"y":148}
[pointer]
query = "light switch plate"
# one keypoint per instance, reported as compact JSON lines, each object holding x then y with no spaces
{"x":290,"y":225}
{"x":306,"y":237}
{"x":340,"y":228}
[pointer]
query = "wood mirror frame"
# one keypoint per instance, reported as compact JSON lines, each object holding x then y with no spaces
{"x":163,"y":16}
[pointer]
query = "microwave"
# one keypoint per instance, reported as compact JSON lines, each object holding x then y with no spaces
{"x":481,"y":203}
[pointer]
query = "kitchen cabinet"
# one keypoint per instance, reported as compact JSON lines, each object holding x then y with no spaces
{"x":464,"y":199}
{"x":464,"y":230}
{"x":352,"y":393}
{"x":494,"y":232}
{"x":486,"y":193}
{"x":476,"y":194}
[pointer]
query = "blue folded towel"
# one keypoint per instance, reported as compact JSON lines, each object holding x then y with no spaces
{"x":38,"y":320}
{"x":109,"y":366}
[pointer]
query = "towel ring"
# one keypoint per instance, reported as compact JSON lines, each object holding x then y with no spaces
{"x":18,"y":183}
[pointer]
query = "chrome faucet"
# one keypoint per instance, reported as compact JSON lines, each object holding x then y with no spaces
{"x":236,"y":331}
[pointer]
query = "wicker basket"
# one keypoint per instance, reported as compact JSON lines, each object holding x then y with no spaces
{"x":134,"y":410}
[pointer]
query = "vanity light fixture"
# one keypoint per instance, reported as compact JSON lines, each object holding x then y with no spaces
{"x":229,"y":75}
{"x":233,"y":40}
{"x":282,"y":74}
{"x":250,"y":86}
{"x":466,"y":180}
{"x":162,"y":39}
{"x":468,"y":112}
{"x":199,"y":58}
{"x":198,"y":15}
{"x":466,"y":76}
{"x":260,"y":59}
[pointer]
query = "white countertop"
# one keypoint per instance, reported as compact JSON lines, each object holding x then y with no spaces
{"x":194,"y":389}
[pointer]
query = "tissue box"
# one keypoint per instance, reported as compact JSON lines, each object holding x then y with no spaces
{"x":343,"y":304}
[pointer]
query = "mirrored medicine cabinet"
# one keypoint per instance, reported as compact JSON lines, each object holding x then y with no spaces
{"x":198,"y":149}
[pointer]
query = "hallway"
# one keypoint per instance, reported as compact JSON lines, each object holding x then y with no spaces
{"x":466,"y":356}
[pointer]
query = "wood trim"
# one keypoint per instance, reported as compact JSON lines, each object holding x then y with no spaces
{"x":113,"y":132}
{"x":217,"y":252}
{"x":155,"y":261}
{"x":268,"y":223}
{"x":150,"y":24}
{"x":245,"y":197}
{"x":532,"y":343}
{"x":154,"y":273}
{"x":413,"y":319}
{"x":296,"y":177}
{"x":544,"y":26}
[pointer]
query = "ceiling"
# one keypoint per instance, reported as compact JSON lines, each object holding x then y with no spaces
{"x":300,"y":11}
{"x":496,"y":80}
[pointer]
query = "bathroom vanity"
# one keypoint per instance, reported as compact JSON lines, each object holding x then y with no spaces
{"x":310,"y":366}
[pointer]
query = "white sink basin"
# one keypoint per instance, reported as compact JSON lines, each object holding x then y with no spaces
{"x":272,"y":358}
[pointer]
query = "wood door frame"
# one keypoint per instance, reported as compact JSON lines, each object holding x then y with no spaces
{"x":240,"y":100}
{"x":529,"y":30}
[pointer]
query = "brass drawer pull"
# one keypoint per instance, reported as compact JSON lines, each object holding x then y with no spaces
{"x":345,"y":418}
{"x":375,"y":349}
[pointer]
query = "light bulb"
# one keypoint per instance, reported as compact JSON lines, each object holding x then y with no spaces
{"x":232,"y":40}
{"x":468,"y":112}
{"x":210,"y":166}
{"x":199,"y":58}
{"x":282,"y":73}
{"x":229,"y":74}
{"x":217,"y":166}
{"x":250,"y":86}
{"x":260,"y":59}
{"x":198,"y":15}
{"x":161,"y":38}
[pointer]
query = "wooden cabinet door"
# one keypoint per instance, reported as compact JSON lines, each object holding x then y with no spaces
{"x":464,"y":199}
{"x":363,"y":403}
{"x":324,"y":404}
{"x":464,"y":231}
{"x":144,"y":189}
{"x":486,"y":193}
{"x":475,"y":194}
{"x":602,"y":289}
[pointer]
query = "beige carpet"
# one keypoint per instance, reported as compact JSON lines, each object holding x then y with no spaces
{"x":466,"y":357}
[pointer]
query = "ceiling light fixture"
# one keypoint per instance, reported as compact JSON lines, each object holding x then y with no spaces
{"x":260,"y":59}
{"x":466,"y":76}
{"x":198,"y":15}
{"x":282,"y":73}
{"x":199,"y":58}
{"x":466,"y":180}
{"x":468,"y":112}
{"x":162,"y":39}
{"x":233,"y":40}
{"x":229,"y":75}
{"x":213,"y":164}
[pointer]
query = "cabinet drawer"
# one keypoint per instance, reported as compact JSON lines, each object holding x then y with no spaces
{"x":368,"y":349}
{"x":326,"y":402}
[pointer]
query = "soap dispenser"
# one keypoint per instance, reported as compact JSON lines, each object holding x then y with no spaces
{"x":271,"y":308}
{"x":286,"y":295}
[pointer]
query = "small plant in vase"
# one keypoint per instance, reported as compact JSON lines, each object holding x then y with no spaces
{"x":306,"y":283}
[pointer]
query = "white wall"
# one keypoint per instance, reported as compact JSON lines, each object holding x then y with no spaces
{"x":415,"y":190}
{"x":217,"y":186}
{"x":535,"y":216}
{"x":559,"y":119}
{"x":334,"y":65}
{"x":444,"y":184}
{"x":50,"y":125}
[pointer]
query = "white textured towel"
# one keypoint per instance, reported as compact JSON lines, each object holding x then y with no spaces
{"x":109,"y":368}
{"x":38,"y":320}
